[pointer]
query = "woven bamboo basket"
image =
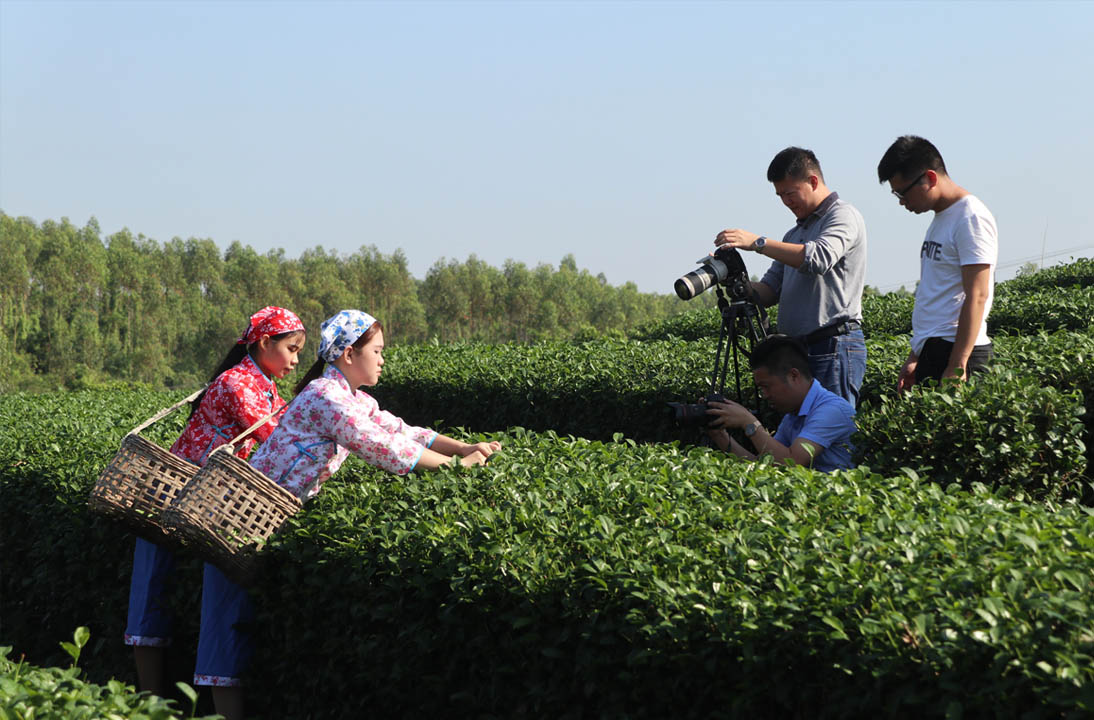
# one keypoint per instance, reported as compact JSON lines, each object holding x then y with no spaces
{"x":142,"y":480}
{"x":228,"y":512}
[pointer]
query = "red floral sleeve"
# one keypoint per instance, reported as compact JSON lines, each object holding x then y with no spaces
{"x":239,"y":398}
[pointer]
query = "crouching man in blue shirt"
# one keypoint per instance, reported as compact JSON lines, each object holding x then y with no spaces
{"x":816,"y":429}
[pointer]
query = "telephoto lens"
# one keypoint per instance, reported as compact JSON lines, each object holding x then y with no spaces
{"x":699,"y":280}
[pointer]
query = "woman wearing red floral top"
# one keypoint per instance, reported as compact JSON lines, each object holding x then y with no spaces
{"x":241,"y":393}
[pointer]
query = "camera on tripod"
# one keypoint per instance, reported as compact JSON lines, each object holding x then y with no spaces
{"x":725,"y":267}
{"x":742,"y":319}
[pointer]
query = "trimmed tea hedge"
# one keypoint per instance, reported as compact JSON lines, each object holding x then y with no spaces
{"x":643,"y":581}
{"x":589,"y":389}
{"x":1063,"y":360}
{"x":61,"y":567}
{"x":576,"y":578}
{"x":1002,"y":430}
{"x":595,"y":390}
{"x":885,"y":315}
{"x":884,"y":358}
{"x":1066,"y":308}
{"x":697,"y":324}
{"x":1079,"y":272}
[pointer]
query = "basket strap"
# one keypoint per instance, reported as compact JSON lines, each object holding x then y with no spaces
{"x":230,"y":446}
{"x":167,"y":411}
{"x":231,"y":443}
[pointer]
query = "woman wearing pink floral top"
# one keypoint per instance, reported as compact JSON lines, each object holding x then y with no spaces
{"x":329,"y":418}
{"x":241,"y":392}
{"x":326,"y":421}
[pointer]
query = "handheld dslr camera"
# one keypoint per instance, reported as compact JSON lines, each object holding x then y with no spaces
{"x":694,"y":414}
{"x":741,"y":318}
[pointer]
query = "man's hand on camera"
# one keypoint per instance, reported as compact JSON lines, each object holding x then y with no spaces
{"x":728,"y":415}
{"x":741,"y":239}
{"x":720,"y":438}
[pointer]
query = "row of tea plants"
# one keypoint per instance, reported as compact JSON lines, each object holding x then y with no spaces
{"x":618,"y":578}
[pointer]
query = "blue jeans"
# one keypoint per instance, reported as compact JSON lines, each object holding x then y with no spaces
{"x":839,"y":363}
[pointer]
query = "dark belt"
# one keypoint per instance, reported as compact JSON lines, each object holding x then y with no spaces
{"x":831,"y":331}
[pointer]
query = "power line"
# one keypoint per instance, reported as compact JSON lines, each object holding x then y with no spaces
{"x":1012,"y":263}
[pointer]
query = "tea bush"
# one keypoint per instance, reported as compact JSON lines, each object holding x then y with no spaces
{"x":884,"y":358}
{"x":888,"y":314}
{"x":695,"y":324}
{"x":1062,"y":359}
{"x":588,"y":389}
{"x":1079,"y":272}
{"x":1002,"y":430}
{"x":649,"y":581}
{"x":1067,"y":308}
{"x":1060,"y":297}
{"x":595,"y":390}
{"x":27,"y":692}
{"x":60,"y":566}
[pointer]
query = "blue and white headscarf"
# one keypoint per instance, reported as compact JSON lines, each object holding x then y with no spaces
{"x":339,"y":332}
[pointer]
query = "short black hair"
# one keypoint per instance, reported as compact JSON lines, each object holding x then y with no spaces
{"x":794,"y":163}
{"x":779,"y":353}
{"x":908,"y":156}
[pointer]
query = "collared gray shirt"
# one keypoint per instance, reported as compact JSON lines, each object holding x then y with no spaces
{"x":827,"y":288}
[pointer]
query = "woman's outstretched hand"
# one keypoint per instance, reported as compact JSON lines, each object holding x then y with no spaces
{"x":487,"y":449}
{"x":478,"y":453}
{"x":474,"y":458}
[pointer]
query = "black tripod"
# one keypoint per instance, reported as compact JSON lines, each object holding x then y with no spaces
{"x":742,"y":320}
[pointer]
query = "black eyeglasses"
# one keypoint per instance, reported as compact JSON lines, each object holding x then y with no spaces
{"x":901,"y":193}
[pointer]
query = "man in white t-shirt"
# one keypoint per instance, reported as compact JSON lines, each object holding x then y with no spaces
{"x":956,"y":265}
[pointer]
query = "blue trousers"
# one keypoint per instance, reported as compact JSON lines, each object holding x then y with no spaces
{"x":225,"y":645}
{"x":149,"y":623}
{"x":839,"y":364}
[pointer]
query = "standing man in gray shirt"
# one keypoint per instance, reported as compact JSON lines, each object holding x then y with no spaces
{"x":817,"y":274}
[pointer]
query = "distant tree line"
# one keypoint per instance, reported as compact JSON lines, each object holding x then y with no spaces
{"x":78,"y":308}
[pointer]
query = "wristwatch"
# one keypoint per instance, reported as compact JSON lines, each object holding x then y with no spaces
{"x":751,"y":429}
{"x":760,"y":243}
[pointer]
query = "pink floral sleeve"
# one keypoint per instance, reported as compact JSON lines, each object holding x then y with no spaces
{"x":377,"y":437}
{"x":325,"y":423}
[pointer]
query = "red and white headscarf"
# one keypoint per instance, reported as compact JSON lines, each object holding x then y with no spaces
{"x":270,"y":320}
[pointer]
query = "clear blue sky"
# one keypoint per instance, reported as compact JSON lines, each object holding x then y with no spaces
{"x":625,"y":133}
